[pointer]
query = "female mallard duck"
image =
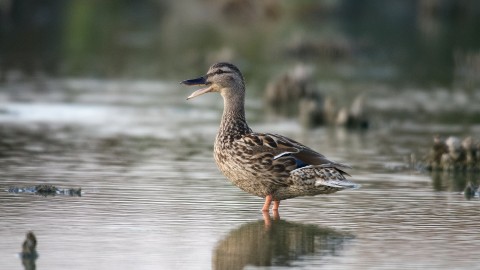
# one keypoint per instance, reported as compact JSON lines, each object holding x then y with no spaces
{"x":268,"y":165}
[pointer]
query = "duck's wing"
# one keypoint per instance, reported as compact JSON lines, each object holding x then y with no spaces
{"x":274,"y":158}
{"x":279,"y":146}
{"x":309,"y":155}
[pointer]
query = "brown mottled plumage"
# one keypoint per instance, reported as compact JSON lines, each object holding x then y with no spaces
{"x":271,"y":166}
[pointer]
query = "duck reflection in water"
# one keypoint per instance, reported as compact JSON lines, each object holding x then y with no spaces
{"x":276,"y":243}
{"x":456,"y":181}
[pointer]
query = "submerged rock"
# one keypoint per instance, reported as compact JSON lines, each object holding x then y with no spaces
{"x":454,"y":154}
{"x":46,"y":190}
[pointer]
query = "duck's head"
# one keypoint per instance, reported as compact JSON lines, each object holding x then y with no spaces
{"x":224,"y":78}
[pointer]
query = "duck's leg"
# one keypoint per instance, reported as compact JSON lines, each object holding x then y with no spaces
{"x":266,"y":219}
{"x":276,"y":215}
{"x":266,"y":205}
{"x":276,"y":205}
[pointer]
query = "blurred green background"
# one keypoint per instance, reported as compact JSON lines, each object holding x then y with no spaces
{"x":422,"y":43}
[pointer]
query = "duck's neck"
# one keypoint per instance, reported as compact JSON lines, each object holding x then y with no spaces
{"x":233,"y":122}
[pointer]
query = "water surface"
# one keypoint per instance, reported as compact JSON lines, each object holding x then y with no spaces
{"x":154,"y":199}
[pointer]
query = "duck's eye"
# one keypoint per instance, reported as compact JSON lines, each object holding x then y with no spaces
{"x":218,"y":72}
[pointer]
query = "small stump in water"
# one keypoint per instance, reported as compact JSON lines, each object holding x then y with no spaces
{"x":471,"y":190}
{"x":29,"y":246}
{"x":29,"y":251}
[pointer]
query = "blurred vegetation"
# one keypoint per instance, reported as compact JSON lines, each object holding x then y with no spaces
{"x":408,"y":42}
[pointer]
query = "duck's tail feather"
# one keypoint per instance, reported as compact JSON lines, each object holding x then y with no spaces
{"x":336,"y":183}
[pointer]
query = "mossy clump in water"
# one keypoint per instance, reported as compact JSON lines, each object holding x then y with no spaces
{"x":74,"y":191}
{"x":47,"y":190}
{"x":454,"y":154}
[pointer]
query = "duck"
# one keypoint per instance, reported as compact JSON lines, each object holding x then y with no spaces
{"x":268,"y":165}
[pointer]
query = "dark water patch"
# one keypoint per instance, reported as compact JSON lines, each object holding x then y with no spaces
{"x":454,"y":181}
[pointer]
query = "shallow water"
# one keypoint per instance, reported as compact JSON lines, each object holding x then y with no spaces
{"x":153,"y":197}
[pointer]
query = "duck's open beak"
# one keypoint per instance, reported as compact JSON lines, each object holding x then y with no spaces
{"x":198,"y":81}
